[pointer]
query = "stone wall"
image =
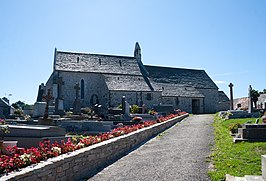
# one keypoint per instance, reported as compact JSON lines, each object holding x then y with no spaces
{"x":224,"y":106}
{"x":184,"y":103}
{"x":94,"y":84}
{"x":86,"y":162}
{"x":211,"y":100}
{"x":135,"y":98}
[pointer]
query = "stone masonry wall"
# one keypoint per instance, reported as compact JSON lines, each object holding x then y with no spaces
{"x":211,"y":100}
{"x":184,"y":103}
{"x":94,"y":84}
{"x":134,"y":98}
{"x":86,"y":162}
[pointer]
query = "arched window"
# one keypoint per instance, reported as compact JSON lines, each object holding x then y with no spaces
{"x":82,"y":89}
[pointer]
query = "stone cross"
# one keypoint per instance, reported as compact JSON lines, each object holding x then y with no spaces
{"x":231,"y":96}
{"x":77,"y":105}
{"x":60,"y":83}
{"x":249,"y":100}
{"x":47,"y":99}
{"x":77,"y":88}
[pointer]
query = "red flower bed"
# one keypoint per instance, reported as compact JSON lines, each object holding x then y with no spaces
{"x":21,"y":157}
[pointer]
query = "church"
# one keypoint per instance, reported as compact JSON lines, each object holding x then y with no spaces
{"x":89,"y":79}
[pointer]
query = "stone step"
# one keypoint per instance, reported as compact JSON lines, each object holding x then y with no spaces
{"x":246,"y":178}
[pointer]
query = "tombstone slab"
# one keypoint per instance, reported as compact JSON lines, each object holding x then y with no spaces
{"x":30,"y":135}
{"x":39,"y":109}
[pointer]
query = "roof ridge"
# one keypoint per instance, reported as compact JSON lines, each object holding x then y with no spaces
{"x":97,"y":54}
{"x":159,"y":66}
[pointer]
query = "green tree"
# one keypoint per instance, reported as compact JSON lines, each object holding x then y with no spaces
{"x":20,"y":105}
{"x":255,"y":96}
{"x":263,"y":92}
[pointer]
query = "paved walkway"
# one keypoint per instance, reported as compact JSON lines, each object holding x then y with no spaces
{"x":179,"y":153}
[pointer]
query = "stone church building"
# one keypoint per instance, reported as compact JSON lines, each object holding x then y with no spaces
{"x":88,"y":79}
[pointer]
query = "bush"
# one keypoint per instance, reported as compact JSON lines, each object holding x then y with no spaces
{"x":234,"y":127}
{"x":134,"y":109}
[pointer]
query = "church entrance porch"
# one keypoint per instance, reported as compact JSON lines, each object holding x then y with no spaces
{"x":195,"y":106}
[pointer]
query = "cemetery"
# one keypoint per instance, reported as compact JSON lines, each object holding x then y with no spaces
{"x":54,"y":143}
{"x":98,"y":150}
{"x":62,"y":138}
{"x":68,"y":128}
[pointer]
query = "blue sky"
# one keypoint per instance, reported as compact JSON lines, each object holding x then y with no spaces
{"x":225,"y":38}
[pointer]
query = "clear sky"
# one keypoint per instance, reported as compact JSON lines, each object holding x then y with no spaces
{"x":225,"y":38}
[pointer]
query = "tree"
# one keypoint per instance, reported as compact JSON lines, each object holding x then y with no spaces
{"x":263,"y":92}
{"x":254,"y":96}
{"x":20,"y":105}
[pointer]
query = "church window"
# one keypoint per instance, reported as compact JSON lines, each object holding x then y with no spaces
{"x":162,"y":88}
{"x":82,"y":89}
{"x":117,"y":78}
{"x":149,"y":96}
{"x":77,"y":59}
{"x":120,"y":63}
{"x":139,"y":78}
{"x":100,"y":61}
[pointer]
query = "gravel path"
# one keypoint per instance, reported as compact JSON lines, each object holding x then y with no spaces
{"x":179,"y":153}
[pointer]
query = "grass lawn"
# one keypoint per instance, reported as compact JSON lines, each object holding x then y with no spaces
{"x":237,"y":159}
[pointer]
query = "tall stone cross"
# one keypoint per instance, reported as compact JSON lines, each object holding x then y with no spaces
{"x":77,"y":105}
{"x":249,"y":99}
{"x":60,"y":83}
{"x":231,"y":96}
{"x":77,"y":88}
{"x":47,"y":99}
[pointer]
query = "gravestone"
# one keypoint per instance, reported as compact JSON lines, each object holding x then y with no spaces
{"x":39,"y":106}
{"x":45,"y":120}
{"x":40,"y":93}
{"x":77,"y":104}
{"x":59,"y":105}
{"x":87,"y":126}
{"x":127,"y":108}
{"x":30,"y":135}
{"x":39,"y":109}
{"x":251,"y":133}
{"x":123,"y":104}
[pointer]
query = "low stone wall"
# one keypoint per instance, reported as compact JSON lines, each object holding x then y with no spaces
{"x":88,"y":161}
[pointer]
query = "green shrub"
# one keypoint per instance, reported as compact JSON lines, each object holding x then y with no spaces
{"x":134,"y":108}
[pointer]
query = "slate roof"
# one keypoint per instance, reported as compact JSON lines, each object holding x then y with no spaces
{"x":126,"y":83}
{"x":3,"y":103}
{"x":223,"y":97}
{"x":189,"y":77}
{"x":85,"y":62}
{"x":177,"y":90}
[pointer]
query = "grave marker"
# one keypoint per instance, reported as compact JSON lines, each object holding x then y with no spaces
{"x":77,"y":105}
